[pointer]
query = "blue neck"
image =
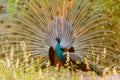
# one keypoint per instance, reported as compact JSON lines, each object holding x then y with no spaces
{"x":59,"y":52}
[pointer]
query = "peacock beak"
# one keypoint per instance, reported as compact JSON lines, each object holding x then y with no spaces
{"x":58,"y":39}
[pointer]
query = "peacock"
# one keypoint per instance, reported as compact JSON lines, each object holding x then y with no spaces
{"x":65,"y":32}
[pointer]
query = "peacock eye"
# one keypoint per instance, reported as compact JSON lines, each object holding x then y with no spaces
{"x":15,"y":33}
{"x":26,"y":8}
{"x":19,"y":22}
{"x":1,"y":21}
{"x":51,"y":17}
{"x":1,"y":7}
{"x":57,"y":12}
{"x":78,"y":7}
{"x":8,"y":26}
{"x":39,"y":6}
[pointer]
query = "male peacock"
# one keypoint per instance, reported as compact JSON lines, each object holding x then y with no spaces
{"x":63,"y":31}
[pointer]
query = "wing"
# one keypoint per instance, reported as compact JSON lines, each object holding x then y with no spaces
{"x":53,"y":58}
{"x":80,"y":63}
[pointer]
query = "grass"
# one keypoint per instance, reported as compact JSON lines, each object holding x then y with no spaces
{"x":15,"y":69}
{"x":49,"y":73}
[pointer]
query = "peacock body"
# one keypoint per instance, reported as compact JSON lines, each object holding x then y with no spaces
{"x":58,"y":29}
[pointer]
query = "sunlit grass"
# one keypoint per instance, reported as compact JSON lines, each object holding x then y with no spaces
{"x":50,"y":73}
{"x":14,"y":69}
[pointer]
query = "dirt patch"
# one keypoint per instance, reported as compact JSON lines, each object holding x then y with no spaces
{"x":106,"y":77}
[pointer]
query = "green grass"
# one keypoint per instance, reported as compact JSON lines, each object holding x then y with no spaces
{"x":10,"y":70}
{"x":50,"y":73}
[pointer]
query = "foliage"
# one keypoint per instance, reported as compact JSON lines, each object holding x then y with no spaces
{"x":112,"y":9}
{"x":50,"y":73}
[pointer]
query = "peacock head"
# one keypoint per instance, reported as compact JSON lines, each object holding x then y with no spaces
{"x":58,"y":39}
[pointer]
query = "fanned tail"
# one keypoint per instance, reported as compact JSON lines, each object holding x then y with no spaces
{"x":38,"y":23}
